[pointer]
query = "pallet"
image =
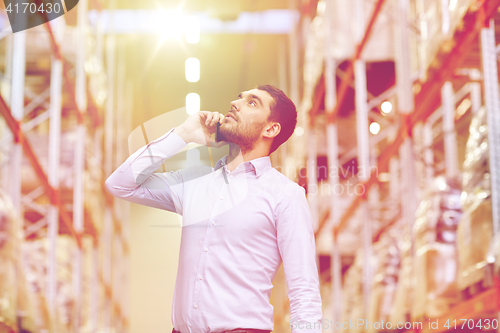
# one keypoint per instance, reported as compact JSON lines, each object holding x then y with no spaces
{"x":480,"y":286}
{"x":472,"y":290}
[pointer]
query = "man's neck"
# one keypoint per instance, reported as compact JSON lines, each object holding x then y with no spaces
{"x":236,"y":156}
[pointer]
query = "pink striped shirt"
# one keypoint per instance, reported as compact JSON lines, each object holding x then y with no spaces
{"x":237,"y":229}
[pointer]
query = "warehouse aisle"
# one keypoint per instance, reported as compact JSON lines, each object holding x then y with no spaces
{"x":397,"y":147}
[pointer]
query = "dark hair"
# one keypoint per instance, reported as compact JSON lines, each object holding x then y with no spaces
{"x":284,"y":112}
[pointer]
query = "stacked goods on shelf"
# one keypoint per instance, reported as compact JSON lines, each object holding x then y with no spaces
{"x":385,"y":263}
{"x":86,"y":325}
{"x":431,"y":17}
{"x":16,"y":311}
{"x":475,"y":229}
{"x":34,"y":259}
{"x":385,"y":281}
{"x":352,"y":294}
{"x":93,"y":193}
{"x":435,"y":265}
{"x":40,"y":143}
{"x":34,"y":264}
{"x":403,"y":297}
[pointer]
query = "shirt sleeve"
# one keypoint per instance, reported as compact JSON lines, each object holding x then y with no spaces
{"x":298,"y":252}
{"x":135,"y":180}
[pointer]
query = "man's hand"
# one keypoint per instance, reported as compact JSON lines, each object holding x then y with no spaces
{"x":199,"y":127}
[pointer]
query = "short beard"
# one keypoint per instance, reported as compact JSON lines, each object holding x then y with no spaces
{"x":244,"y":139}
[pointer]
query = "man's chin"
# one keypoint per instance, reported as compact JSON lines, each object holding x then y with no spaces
{"x":231,"y":140}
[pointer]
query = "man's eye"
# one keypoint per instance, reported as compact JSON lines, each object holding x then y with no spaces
{"x":252,"y":103}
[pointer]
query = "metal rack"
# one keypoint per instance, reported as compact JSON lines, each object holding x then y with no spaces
{"x":108,"y":280}
{"x":414,"y":108}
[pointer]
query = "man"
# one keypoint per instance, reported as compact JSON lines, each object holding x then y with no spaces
{"x":240,"y":219}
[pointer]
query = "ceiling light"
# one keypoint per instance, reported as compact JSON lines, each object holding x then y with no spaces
{"x":192,"y":29}
{"x":168,"y":23}
{"x":386,"y":107}
{"x":384,"y":177}
{"x":192,"y":103}
{"x":321,"y":7}
{"x":192,"y":69}
{"x":299,"y":131}
{"x":441,"y":183}
{"x":374,"y":128}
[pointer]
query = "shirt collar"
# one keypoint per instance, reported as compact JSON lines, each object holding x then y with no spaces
{"x":259,"y":165}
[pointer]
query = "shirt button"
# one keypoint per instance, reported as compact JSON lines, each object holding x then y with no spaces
{"x":205,"y":249}
{"x":231,"y":176}
{"x":200,"y":277}
{"x":213,"y":222}
{"x":221,"y":197}
{"x":195,"y":306}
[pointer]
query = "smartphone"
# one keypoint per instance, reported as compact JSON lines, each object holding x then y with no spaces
{"x":218,"y":135}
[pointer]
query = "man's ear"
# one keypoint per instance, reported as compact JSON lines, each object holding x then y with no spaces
{"x":272,"y":130}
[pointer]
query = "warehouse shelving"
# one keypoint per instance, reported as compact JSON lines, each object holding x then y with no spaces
{"x":426,"y":100}
{"x":417,"y":105}
{"x":86,"y":106}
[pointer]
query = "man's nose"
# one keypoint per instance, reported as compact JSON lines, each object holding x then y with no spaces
{"x":235,"y":105}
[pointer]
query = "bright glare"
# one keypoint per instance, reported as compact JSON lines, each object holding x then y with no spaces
{"x":384,"y":177}
{"x":464,"y":106}
{"x":169,"y":23}
{"x":386,"y":107}
{"x":441,"y":183}
{"x":320,"y":9}
{"x":192,"y":69}
{"x":453,"y":4}
{"x":423,"y":29}
{"x":299,"y":131}
{"x":374,"y":128}
{"x":192,"y":103}
{"x":192,"y":29}
{"x":463,"y":196}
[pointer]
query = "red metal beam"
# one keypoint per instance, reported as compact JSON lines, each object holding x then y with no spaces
{"x":19,"y":137}
{"x":322,"y":223}
{"x":426,"y":101}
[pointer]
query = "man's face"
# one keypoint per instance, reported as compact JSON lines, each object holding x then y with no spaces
{"x":247,"y":118}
